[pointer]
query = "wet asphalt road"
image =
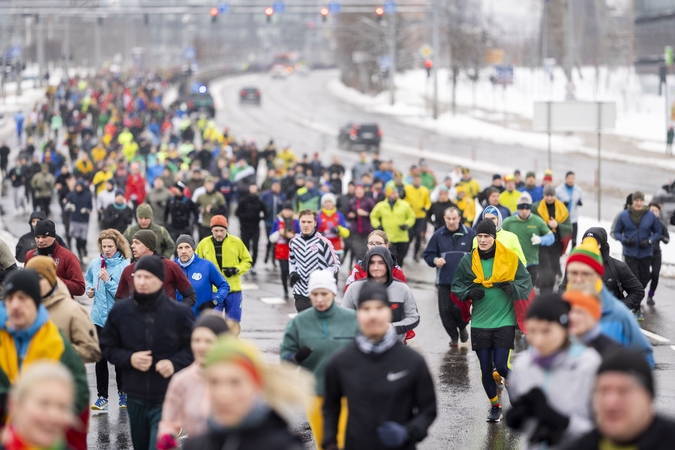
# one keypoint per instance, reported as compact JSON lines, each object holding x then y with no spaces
{"x":462,"y":403}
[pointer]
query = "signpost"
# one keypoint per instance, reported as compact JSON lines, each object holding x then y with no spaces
{"x":334,"y":7}
{"x":504,"y":75}
{"x":575,"y":116}
{"x":389,"y":7}
{"x":279,"y":7}
{"x":224,"y":8}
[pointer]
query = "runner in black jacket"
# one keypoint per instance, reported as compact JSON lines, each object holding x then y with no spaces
{"x":388,"y":387}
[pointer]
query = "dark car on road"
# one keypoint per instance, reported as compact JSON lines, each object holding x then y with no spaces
{"x":200,"y":102}
{"x":249,"y":95}
{"x":367,"y":135}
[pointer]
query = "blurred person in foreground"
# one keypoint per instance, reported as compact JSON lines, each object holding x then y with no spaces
{"x":553,"y":364}
{"x":40,"y":408}
{"x":623,"y":408}
{"x":187,"y":404}
{"x":251,"y":400}
{"x":313,"y":337}
{"x":29,"y":336}
{"x":389,"y":390}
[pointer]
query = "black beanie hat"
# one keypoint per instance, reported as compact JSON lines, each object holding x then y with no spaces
{"x":45,"y":228}
{"x":152,"y":264}
{"x":27,"y":281}
{"x":487,"y":226}
{"x":213,"y":322}
{"x":373,"y":291}
{"x":629,"y":362}
{"x":550,"y":307}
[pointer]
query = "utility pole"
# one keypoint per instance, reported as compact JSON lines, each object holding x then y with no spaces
{"x":544,"y":33}
{"x":97,"y":42}
{"x":569,"y":60}
{"x":392,"y":49}
{"x":436,"y":52}
{"x":39,"y":25}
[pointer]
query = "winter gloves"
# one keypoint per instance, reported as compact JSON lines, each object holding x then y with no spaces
{"x":294,"y":278}
{"x":629,"y":242}
{"x":404,"y":227}
{"x":302,"y":354}
{"x":551,"y":424}
{"x":476,"y":294}
{"x":230,"y":271}
{"x":392,"y":434}
{"x":645,"y":243}
{"x":506,"y":287}
{"x":536,"y":240}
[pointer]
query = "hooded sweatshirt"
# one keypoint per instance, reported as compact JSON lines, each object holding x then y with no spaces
{"x":403,"y":305}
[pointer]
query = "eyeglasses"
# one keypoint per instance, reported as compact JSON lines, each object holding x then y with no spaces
{"x":376,"y":244}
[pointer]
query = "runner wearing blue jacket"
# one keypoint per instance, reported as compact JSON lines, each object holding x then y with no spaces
{"x":204,"y":276}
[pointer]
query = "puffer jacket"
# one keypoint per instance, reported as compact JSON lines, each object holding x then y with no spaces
{"x":104,"y":292}
{"x":73,"y":320}
{"x":572,"y":372}
{"x":390,"y":218}
{"x":43,"y":184}
{"x":204,"y":277}
{"x":649,"y":229}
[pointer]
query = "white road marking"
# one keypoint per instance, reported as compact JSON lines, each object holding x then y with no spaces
{"x":273,"y":300}
{"x":249,"y":287}
{"x":673,"y":347}
{"x":292,"y":315}
{"x":654,"y":336}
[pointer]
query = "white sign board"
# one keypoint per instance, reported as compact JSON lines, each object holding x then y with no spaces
{"x":574,"y":116}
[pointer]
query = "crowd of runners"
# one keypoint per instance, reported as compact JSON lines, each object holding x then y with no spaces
{"x":161,"y":186}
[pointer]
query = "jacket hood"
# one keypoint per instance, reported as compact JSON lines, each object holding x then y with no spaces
{"x":59,"y":294}
{"x":600,"y":235}
{"x":116,"y":259}
{"x":388,"y":260}
{"x":36,"y":215}
{"x":495,"y":211}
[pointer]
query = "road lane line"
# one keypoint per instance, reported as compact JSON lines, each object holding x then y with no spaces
{"x":273,"y":300}
{"x":673,"y":347}
{"x":249,"y":287}
{"x":292,"y":315}
{"x":654,"y":336}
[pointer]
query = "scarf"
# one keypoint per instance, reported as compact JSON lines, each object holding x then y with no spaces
{"x":180,"y":263}
{"x":545,"y":362}
{"x":504,"y":267}
{"x":570,"y":192}
{"x":47,"y":251}
{"x":561,"y":212}
{"x":636,"y":216}
{"x":367,"y":346}
{"x":16,"y":442}
{"x":121,"y":207}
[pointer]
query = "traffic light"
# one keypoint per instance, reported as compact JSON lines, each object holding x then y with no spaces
{"x":428,"y":64}
{"x":324,"y":14}
{"x":269,"y":11}
{"x":214,"y":15}
{"x":379,"y":12}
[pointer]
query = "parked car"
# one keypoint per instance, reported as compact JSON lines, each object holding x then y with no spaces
{"x":249,"y":95}
{"x":368,"y":135}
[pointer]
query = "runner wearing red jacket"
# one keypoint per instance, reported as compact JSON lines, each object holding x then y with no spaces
{"x":135,"y":186}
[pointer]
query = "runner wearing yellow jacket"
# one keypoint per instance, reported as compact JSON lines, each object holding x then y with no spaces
{"x":418,"y":198}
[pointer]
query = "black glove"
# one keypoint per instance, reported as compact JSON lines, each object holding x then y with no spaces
{"x":230,"y":271}
{"x":335,"y":230}
{"x":476,"y":294}
{"x":404,"y":226}
{"x":517,"y":414}
{"x":645,"y":243}
{"x":206,"y":305}
{"x":551,"y":422}
{"x":507,"y":288}
{"x":629,"y":242}
{"x":302,"y":354}
{"x":294,"y":278}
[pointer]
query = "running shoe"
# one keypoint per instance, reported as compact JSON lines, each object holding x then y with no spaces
{"x":495,"y":414}
{"x":453,"y":343}
{"x":101,"y":404}
{"x":123,"y":400}
{"x":463,"y":335}
{"x":650,"y":301}
{"x":638,"y":315}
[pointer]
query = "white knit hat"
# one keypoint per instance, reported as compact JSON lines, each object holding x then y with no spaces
{"x":328,"y":196}
{"x":322,"y":279}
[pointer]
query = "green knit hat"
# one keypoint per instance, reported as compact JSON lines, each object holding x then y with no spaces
{"x":588,"y":253}
{"x":144,"y":211}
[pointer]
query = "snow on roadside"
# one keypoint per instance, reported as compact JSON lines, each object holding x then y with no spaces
{"x":467,"y":127}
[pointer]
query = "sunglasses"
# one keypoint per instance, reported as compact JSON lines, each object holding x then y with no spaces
{"x":524,"y":207}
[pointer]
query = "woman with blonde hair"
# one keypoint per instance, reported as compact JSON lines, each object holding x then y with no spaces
{"x":377,"y":238}
{"x":102,"y":278}
{"x":40,"y":407}
{"x":251,"y":400}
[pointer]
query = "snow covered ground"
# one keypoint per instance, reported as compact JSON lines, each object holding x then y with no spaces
{"x":640,"y":115}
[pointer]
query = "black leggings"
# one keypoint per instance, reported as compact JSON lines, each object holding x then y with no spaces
{"x":399,"y":249}
{"x":451,"y":315}
{"x":656,"y":269}
{"x":283,"y":265}
{"x":489,"y":358}
{"x":102,"y":375}
{"x":549,"y":267}
{"x":534,"y":271}
{"x":640,"y":268}
{"x":251,"y":235}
